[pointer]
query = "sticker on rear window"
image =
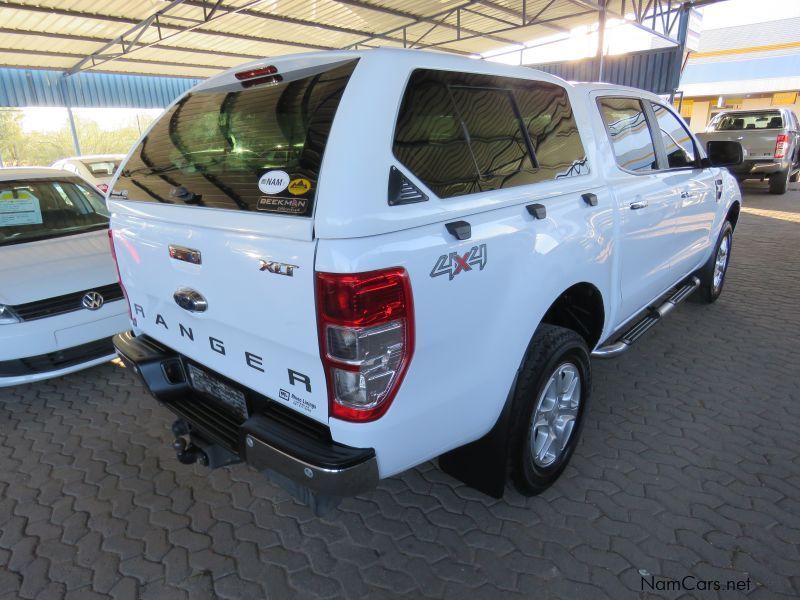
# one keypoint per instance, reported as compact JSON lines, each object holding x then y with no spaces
{"x":299,"y":186}
{"x":20,"y":210}
{"x":273,"y":182}
{"x":288,"y":206}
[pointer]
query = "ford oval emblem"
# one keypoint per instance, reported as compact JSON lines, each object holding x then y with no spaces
{"x":191,"y":300}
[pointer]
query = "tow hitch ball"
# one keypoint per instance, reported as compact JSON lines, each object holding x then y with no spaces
{"x":187,"y":452}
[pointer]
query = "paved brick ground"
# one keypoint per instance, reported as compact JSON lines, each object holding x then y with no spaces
{"x":688,"y":466}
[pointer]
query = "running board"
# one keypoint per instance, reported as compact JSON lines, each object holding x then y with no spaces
{"x":653,"y":316}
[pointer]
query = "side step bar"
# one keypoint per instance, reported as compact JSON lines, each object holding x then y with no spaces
{"x":653,"y":316}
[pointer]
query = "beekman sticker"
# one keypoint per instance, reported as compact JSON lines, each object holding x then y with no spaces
{"x":273,"y":182}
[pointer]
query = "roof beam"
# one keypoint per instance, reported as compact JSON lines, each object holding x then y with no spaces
{"x":416,"y":19}
{"x":518,"y":15}
{"x":124,"y":59}
{"x":164,"y":26}
{"x":95,"y":40}
{"x":295,"y":21}
{"x":520,"y":44}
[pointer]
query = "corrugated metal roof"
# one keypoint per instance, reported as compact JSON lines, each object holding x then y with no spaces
{"x":196,"y":40}
{"x":29,"y":87}
{"x":653,"y":70}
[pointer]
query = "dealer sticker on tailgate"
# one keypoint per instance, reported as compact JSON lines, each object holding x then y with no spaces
{"x":203,"y":382}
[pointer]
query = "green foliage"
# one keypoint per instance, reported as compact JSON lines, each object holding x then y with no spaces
{"x":42,"y":148}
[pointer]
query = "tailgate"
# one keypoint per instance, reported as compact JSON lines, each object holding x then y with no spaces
{"x":259,"y":327}
{"x":215,"y":203}
{"x":757,"y":145}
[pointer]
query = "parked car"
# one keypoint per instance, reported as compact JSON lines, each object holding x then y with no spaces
{"x":427,"y":275}
{"x":770,"y":139}
{"x":60,"y":301}
{"x":97,"y":169}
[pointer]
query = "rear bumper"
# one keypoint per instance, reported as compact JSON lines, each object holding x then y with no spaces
{"x":273,"y":437}
{"x":758,"y":168}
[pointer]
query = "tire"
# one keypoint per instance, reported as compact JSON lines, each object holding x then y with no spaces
{"x":711,"y":280}
{"x":779,"y":182}
{"x":554,"y":355}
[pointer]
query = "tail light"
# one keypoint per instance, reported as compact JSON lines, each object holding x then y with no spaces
{"x":103,"y":187}
{"x":781,"y":145}
{"x":366,"y":333}
{"x":119,"y":277}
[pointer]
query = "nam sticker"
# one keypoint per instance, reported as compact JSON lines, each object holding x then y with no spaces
{"x":300,"y":186}
{"x":273,"y":182}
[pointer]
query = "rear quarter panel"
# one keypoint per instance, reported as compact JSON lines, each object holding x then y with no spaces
{"x":472,"y":330}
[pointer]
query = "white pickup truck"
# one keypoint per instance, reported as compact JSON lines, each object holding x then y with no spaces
{"x":341,"y":265}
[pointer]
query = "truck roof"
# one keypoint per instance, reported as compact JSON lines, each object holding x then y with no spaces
{"x":402,"y":59}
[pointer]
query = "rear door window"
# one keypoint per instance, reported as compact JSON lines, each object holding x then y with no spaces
{"x":466,"y":133}
{"x":630,"y":136}
{"x":257,"y":149}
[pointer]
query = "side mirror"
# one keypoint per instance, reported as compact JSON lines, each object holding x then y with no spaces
{"x":724,"y":153}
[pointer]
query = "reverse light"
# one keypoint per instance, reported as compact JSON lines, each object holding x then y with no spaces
{"x":7,"y":316}
{"x":119,"y":277}
{"x":366,"y":333}
{"x":781,"y":145}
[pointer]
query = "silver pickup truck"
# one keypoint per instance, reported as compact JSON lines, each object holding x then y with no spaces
{"x":770,"y":139}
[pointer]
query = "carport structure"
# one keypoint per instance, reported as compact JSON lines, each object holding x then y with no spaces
{"x":197,"y":38}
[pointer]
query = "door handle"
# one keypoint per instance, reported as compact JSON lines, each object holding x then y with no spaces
{"x":638,"y":204}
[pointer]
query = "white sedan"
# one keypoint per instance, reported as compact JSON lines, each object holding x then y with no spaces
{"x":60,"y":300}
{"x":97,"y":169}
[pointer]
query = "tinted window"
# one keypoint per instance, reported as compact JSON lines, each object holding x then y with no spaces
{"x":629,"y":133}
{"x":678,"y":142}
{"x":467,"y":133}
{"x":750,"y":120}
{"x":250,"y":149}
{"x":44,"y":208}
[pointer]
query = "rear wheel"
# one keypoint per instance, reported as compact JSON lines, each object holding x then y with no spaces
{"x":779,"y":182}
{"x":549,"y":404}
{"x":712,"y":275}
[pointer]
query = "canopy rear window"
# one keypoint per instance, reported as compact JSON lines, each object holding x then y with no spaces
{"x":258,"y":148}
{"x":738,"y":121}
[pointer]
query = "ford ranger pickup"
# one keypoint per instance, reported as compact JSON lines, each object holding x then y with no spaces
{"x":340,"y":265}
{"x":770,"y":140}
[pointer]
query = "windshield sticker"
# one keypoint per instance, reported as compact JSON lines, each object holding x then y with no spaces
{"x":300,"y":186}
{"x":22,"y":210}
{"x":289,"y":206}
{"x":273,"y":182}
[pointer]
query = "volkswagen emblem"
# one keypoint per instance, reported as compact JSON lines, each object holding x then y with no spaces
{"x":92,"y":300}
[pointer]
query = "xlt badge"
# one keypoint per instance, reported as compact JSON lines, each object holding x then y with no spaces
{"x":278,"y":268}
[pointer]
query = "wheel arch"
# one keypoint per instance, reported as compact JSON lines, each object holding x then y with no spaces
{"x":580,"y":308}
{"x":733,"y":214}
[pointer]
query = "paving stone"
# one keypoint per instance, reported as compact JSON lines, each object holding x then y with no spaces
{"x":672,"y":477}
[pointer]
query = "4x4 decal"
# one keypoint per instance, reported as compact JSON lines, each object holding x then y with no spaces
{"x":454,"y":263}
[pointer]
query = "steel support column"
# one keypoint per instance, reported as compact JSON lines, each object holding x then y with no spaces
{"x":601,"y":41}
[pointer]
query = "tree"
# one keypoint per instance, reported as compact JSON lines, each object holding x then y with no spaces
{"x":42,"y":148}
{"x":12,"y":138}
